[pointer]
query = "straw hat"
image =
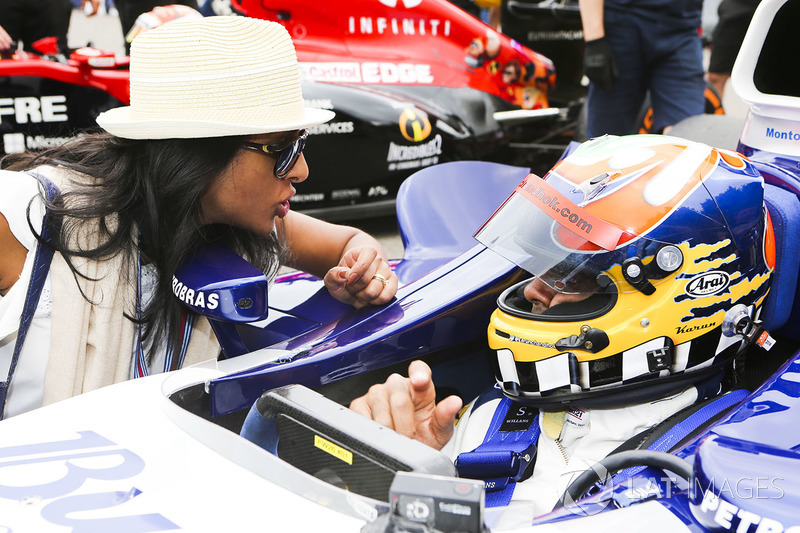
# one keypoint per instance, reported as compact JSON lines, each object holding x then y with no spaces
{"x":212,"y":77}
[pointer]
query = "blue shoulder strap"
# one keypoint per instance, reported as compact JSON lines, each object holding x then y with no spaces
{"x":41,"y":266}
{"x":507,"y":451}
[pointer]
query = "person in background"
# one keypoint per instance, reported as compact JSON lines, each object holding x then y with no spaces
{"x":209,"y":151}
{"x":31,"y":20}
{"x":129,"y":11}
{"x":734,"y":19}
{"x":635,"y":48}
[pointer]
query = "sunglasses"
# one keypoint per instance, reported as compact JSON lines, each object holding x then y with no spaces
{"x":285,"y":156}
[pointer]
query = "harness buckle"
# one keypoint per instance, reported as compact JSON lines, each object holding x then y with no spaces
{"x":497,"y":468}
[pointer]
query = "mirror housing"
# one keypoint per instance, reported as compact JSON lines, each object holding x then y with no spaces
{"x":225,"y":288}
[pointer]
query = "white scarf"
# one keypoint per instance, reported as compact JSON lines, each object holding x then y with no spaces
{"x":91,"y":343}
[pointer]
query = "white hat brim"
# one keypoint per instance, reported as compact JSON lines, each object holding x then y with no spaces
{"x":118,"y":121}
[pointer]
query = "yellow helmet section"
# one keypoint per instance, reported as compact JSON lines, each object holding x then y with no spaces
{"x":672,"y":311}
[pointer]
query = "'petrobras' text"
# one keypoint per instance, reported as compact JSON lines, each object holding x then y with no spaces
{"x":192,"y":297}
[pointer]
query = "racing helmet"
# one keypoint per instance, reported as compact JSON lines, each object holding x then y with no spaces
{"x":661,"y":250}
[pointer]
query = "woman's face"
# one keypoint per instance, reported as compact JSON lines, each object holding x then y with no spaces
{"x":247,"y":194}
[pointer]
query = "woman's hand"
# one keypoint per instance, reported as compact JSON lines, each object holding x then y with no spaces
{"x":408,"y":406}
{"x":361,"y":278}
{"x":351,"y":263}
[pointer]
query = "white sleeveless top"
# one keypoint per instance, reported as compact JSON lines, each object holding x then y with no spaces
{"x":27,"y":386}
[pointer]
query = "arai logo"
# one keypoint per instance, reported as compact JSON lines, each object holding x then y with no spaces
{"x":708,"y":283}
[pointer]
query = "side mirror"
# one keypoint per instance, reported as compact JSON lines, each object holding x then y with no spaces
{"x":222,"y":286}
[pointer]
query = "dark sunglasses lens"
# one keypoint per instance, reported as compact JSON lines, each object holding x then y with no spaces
{"x":288,"y":157}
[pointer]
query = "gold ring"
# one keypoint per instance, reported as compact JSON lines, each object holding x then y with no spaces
{"x":380,"y":278}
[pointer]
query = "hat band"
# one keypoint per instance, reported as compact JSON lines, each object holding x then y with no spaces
{"x":246,"y":114}
{"x":214,"y":76}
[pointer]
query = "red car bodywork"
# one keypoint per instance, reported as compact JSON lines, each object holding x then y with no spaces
{"x":407,"y":42}
{"x":87,"y":67}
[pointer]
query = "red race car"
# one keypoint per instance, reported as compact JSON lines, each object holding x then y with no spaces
{"x":413,"y":83}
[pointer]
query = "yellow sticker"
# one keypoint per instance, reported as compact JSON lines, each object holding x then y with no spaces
{"x":333,"y":449}
{"x":414,"y":125}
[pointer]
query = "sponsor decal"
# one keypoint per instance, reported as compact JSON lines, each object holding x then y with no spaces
{"x":765,"y":341}
{"x":568,"y":214}
{"x":771,"y":134}
{"x":577,"y":413}
{"x":518,"y":418}
{"x":368,"y":72}
{"x":320,"y":103}
{"x":730,"y":517}
{"x":362,"y":508}
{"x":689,"y":329}
{"x":345,"y":194}
{"x":332,"y":72}
{"x":708,"y":284}
{"x":310,"y":197}
{"x":333,"y":449}
{"x":575,"y":418}
{"x":401,"y":26}
{"x":455,"y":508}
{"x":407,"y":153}
{"x":418,"y":509}
{"x":14,"y":143}
{"x":414,"y":125}
{"x":786,"y":135}
{"x":514,"y":338}
{"x":331,"y":128}
{"x":194,"y":298}
{"x":402,"y":157}
{"x":417,"y":163}
{"x":559,"y":35}
{"x":378,"y":190}
{"x":33,"y":110}
{"x":82,"y":492}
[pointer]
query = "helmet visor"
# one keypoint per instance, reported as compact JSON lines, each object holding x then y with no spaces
{"x":559,"y":242}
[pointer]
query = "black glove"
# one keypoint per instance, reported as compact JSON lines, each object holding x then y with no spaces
{"x":598,"y":61}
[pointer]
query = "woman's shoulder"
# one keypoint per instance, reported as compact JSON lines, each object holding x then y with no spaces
{"x":12,"y":180}
{"x":18,"y":191}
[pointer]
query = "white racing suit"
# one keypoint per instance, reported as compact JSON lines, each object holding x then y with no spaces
{"x":568,"y":443}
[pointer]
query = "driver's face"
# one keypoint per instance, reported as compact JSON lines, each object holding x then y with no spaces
{"x":543,"y":297}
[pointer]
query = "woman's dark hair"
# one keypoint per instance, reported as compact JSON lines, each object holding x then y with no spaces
{"x":146,"y":192}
